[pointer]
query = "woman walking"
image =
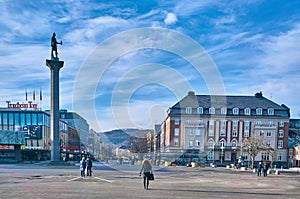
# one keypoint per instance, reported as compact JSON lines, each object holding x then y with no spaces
{"x":82,"y":167}
{"x":147,"y":170}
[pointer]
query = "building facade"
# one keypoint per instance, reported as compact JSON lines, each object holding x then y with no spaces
{"x":78,"y":122}
{"x":211,"y":128}
{"x":32,"y":125}
{"x":294,"y":143}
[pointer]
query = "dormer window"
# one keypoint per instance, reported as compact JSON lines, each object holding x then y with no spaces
{"x":223,"y":111}
{"x":247,"y":111}
{"x":270,"y":111}
{"x":259,"y":111}
{"x":211,"y":110}
{"x":235,"y":111}
{"x":188,"y":110}
{"x":200,"y":110}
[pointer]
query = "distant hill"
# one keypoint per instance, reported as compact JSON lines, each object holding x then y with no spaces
{"x":121,"y":136}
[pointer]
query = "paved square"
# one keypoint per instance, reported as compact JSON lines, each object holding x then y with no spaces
{"x":48,"y":182}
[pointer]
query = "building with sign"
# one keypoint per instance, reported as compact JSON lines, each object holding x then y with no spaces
{"x":211,"y":128}
{"x":32,"y":126}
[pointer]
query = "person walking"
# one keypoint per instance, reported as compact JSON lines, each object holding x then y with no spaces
{"x":89,"y":166}
{"x":265,"y":169}
{"x":82,"y":167}
{"x":147,"y":170}
{"x":259,"y":168}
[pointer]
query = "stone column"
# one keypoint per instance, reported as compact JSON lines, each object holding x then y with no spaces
{"x":54,"y":66}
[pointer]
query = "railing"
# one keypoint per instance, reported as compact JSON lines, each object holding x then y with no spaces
{"x":219,"y":147}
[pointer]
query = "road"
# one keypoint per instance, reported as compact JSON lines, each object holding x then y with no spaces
{"x":122,"y":181}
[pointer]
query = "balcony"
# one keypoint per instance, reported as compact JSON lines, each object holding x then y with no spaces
{"x":219,"y":147}
{"x":265,"y":126}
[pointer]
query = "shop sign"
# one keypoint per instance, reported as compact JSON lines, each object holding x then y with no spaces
{"x":22,"y":105}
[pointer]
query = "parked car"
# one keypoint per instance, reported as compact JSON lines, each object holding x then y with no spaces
{"x":126,"y":161}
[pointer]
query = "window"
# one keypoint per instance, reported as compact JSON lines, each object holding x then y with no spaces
{"x":258,"y":122}
{"x":222,"y":143}
{"x":197,"y":143}
{"x":191,"y":143}
{"x":10,"y":118}
{"x":246,"y":133}
{"x":176,"y":142}
{"x":247,"y":111}
{"x":198,"y":132}
{"x":290,"y":152}
{"x":176,"y":132}
{"x":233,"y":143}
{"x":235,"y":111}
{"x":223,"y":122}
{"x":200,"y":110}
{"x":200,"y":121}
{"x":280,"y":144}
{"x":279,"y":156}
{"x":247,"y":123}
{"x":268,"y":143}
{"x":210,"y":143}
{"x":17,"y":119}
{"x":235,"y":122}
{"x":270,"y":111}
{"x":177,"y":121}
{"x":191,"y":132}
{"x":5,"y":118}
{"x":223,"y":111}
{"x":269,"y":133}
{"x":40,"y":119}
{"x":211,"y":128}
{"x":211,"y":132}
{"x":270,"y":122}
{"x":28,"y":119}
{"x":234,"y":133}
{"x":34,"y":119}
{"x":210,"y":155}
{"x":261,"y":133}
{"x":188,"y":121}
{"x":211,"y":110}
{"x":281,"y":123}
{"x":259,"y":111}
{"x":188,"y":110}
{"x":22,"y":118}
{"x":280,"y":133}
{"x":222,"y":132}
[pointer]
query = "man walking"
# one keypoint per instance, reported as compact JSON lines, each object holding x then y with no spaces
{"x":89,"y":166}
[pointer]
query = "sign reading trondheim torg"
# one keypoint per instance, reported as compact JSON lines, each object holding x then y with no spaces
{"x":23,"y":105}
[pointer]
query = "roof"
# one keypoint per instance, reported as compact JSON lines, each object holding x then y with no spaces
{"x":230,"y":102}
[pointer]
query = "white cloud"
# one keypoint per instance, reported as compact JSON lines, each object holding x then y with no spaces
{"x":170,"y":19}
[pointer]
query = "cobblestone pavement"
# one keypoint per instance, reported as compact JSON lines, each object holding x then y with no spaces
{"x":63,"y":182}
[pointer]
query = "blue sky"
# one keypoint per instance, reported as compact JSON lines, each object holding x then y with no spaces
{"x":118,"y":75}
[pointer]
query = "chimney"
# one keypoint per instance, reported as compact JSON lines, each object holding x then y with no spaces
{"x":191,"y":93}
{"x":259,"y":95}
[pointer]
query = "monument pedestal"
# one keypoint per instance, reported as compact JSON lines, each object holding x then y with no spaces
{"x":54,"y":66}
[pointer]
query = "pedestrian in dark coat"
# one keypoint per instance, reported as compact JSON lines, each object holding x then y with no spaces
{"x":265,"y":169}
{"x":259,"y":168}
{"x":89,"y":166}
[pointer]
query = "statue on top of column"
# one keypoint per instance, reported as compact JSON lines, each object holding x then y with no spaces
{"x":54,"y":47}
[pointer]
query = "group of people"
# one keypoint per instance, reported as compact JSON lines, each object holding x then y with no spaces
{"x":86,"y":165}
{"x":262,"y":167}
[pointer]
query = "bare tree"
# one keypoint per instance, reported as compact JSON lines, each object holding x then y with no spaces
{"x":254,"y":145}
{"x":138,"y":145}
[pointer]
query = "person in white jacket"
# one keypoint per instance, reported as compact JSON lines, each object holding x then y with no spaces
{"x":146,"y":169}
